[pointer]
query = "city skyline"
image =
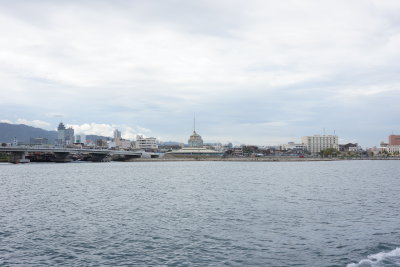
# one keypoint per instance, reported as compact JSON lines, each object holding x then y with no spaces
{"x":260,"y":72}
{"x":196,"y":139}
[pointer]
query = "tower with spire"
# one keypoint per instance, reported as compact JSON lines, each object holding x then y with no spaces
{"x":195,"y":139}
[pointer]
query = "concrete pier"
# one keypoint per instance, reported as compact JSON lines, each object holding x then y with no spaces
{"x":62,"y":157}
{"x":98,"y":157}
{"x":18,"y":157}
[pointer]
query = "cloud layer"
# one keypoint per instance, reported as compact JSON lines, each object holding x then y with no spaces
{"x":127,"y":132}
{"x":258,"y":72}
{"x":34,"y":123}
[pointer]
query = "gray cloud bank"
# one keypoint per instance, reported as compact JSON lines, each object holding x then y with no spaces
{"x":260,"y":72}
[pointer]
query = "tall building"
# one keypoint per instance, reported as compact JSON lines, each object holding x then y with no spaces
{"x":69,"y":136}
{"x":61,"y":134}
{"x":317,"y":143}
{"x":394,"y":140}
{"x":65,"y":136}
{"x":117,"y":135}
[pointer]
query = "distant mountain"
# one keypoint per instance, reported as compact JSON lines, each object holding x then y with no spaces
{"x":24,"y":133}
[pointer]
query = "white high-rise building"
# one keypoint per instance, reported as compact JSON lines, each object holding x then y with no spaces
{"x":317,"y":143}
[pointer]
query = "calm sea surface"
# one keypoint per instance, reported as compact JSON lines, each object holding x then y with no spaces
{"x":343,"y":213}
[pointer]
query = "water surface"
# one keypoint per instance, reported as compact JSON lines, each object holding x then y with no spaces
{"x":201,"y":214}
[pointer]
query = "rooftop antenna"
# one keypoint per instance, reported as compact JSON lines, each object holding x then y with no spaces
{"x":324,"y":130}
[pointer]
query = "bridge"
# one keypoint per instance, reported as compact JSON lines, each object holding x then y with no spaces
{"x":19,"y":153}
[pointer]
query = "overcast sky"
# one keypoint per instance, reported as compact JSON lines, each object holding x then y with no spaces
{"x":254,"y":72}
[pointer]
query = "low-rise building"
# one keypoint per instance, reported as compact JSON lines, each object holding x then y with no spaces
{"x":100,"y":143}
{"x":80,"y":139}
{"x":149,"y":143}
{"x":214,"y":146}
{"x":355,"y":149}
{"x":38,"y":141}
{"x":393,"y":149}
{"x":293,"y":146}
{"x":237,"y":151}
{"x":125,"y":144}
{"x":349,"y":147}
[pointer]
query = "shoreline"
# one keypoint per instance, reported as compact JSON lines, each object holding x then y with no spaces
{"x":285,"y":159}
{"x":272,"y":159}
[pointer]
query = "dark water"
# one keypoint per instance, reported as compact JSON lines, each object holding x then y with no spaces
{"x":201,"y":214}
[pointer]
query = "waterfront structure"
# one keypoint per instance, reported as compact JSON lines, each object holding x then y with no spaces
{"x":317,"y":143}
{"x":394,"y":140}
{"x":149,"y":143}
{"x":196,"y":148}
{"x":191,"y":152}
{"x":62,"y":154}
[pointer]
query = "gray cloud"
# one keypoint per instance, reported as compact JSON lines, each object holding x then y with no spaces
{"x":255,"y":71}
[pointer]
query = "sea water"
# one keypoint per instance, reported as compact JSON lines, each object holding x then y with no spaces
{"x":342,"y":213}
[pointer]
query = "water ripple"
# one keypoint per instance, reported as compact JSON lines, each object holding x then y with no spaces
{"x":200,"y":214}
